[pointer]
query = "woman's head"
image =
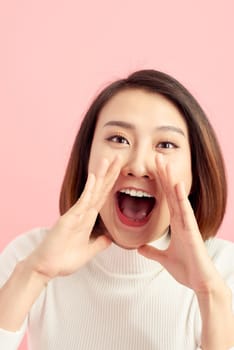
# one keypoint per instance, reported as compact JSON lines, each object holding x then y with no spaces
{"x":208,"y":190}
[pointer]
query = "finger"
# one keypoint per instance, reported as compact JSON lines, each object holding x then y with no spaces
{"x":152,"y":253}
{"x":85,"y":197}
{"x":162,"y":173}
{"x":187,"y":213}
{"x":99,"y":178}
{"x":88,"y":220}
{"x":103,"y":168}
{"x":89,"y":186}
{"x":114,"y":168}
{"x":81,"y":223}
{"x":181,"y":211}
{"x":97,"y":187}
{"x":111,"y":178}
{"x":106,"y":183}
{"x":165,"y":176}
{"x":100,"y":175}
{"x":172,"y":198}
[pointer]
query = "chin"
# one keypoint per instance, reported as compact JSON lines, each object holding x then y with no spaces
{"x":129,"y":245}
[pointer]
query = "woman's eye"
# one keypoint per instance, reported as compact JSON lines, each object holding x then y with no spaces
{"x":118,"y":139}
{"x":167,"y":144}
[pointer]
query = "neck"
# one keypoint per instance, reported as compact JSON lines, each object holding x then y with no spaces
{"x":116,"y":260}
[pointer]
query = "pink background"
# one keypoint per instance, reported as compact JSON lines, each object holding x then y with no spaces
{"x":55,"y":56}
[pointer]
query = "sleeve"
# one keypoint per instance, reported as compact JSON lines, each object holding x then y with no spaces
{"x":232,"y":348}
{"x":224,"y":262}
{"x":12,"y":340}
{"x":17,"y":250}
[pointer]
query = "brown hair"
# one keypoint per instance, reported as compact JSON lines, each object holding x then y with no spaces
{"x":209,"y":188}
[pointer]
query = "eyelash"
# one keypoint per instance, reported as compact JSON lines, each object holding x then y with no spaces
{"x":117,"y":139}
{"x":120,"y":138}
{"x":172,"y":145}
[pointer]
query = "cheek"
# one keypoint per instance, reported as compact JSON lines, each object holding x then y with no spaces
{"x":188,"y":181}
{"x":94,"y":157}
{"x":93,"y":162}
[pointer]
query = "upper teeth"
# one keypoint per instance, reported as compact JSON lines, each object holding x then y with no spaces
{"x":135,"y":193}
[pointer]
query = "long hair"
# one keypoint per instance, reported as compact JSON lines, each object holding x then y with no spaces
{"x":208,"y":194}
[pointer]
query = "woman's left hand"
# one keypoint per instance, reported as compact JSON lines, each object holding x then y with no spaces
{"x":186,"y":258}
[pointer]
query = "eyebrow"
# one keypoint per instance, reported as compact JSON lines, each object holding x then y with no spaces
{"x":132,"y":127}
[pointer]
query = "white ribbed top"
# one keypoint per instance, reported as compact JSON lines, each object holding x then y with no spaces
{"x":120,"y":300}
{"x":116,"y":261}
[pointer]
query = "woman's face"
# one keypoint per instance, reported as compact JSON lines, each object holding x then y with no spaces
{"x":138,"y":125}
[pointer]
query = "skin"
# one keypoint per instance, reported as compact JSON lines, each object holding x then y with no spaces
{"x":165,"y":173}
{"x":141,"y":161}
{"x":155,"y":129}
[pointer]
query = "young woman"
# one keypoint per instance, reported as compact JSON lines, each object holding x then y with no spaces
{"x":132,"y":263}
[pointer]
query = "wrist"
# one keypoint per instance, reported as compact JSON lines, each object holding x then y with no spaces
{"x":29,"y":272}
{"x":18,"y":294}
{"x":216,"y":290}
{"x":215,"y":304}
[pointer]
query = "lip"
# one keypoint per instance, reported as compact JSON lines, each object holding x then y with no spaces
{"x":123,"y":219}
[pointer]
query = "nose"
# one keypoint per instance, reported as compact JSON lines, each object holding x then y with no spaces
{"x":140,"y":164}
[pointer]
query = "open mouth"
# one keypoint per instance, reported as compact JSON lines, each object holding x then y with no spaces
{"x":134,"y":207}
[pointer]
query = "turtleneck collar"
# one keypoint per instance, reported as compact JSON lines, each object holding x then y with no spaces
{"x":119,"y":261}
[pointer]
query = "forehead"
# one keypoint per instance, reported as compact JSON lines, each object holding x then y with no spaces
{"x":140,"y":106}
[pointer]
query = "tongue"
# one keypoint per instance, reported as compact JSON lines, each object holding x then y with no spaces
{"x":135,"y":215}
{"x":134,"y":208}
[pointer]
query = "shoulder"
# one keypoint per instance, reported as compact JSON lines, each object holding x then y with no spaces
{"x":217,"y":247}
{"x":23,"y":244}
{"x":221,"y":252}
{"x":18,"y":249}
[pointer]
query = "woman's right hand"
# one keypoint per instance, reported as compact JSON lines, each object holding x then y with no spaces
{"x":67,"y":245}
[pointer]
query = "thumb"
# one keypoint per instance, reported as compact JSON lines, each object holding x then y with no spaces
{"x":101,"y":243}
{"x":152,"y":253}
